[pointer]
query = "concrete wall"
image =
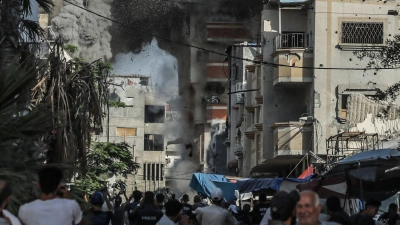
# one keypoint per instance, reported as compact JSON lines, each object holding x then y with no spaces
{"x":327,"y":54}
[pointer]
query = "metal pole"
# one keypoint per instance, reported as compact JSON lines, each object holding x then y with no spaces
{"x":280,"y":18}
{"x":108,"y":118}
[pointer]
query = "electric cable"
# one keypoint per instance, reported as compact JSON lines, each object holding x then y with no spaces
{"x":226,"y":55}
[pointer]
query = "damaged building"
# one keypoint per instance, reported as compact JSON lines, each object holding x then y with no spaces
{"x":141,"y":118}
{"x":306,"y":97}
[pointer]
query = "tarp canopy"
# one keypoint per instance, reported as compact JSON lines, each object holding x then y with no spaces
{"x":362,"y":176}
{"x":205,"y":184}
{"x":263,"y":184}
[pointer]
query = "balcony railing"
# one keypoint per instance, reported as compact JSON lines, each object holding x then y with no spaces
{"x":290,"y":40}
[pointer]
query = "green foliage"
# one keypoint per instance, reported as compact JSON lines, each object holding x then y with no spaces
{"x":104,"y":160}
{"x":70,"y":48}
{"x":118,"y":104}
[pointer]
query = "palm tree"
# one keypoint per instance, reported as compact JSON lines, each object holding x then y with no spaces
{"x":15,"y":30}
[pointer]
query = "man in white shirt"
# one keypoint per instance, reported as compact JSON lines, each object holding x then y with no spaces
{"x":5,"y":194}
{"x":49,"y":210}
{"x":215,"y":214}
{"x":172,"y":216}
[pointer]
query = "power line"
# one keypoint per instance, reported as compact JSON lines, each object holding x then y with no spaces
{"x":224,"y":54}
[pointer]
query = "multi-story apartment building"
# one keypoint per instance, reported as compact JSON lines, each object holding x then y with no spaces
{"x":212,"y":27}
{"x":313,"y":86}
{"x":143,"y":124}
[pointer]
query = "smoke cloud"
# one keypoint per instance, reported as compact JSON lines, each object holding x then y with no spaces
{"x":85,"y":30}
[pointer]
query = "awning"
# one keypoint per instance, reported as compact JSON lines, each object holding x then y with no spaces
{"x":205,"y":184}
{"x":291,"y":2}
{"x":265,"y":184}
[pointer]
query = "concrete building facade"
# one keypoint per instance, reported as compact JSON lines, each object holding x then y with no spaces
{"x":311,"y":75}
{"x":143,"y":125}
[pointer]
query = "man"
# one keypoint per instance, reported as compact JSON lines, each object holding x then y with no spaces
{"x":215,"y":214}
{"x":160,"y":202}
{"x":147,"y":213}
{"x":187,"y":208}
{"x":49,"y":210}
{"x":244,"y":215}
{"x":283,"y":208}
{"x":119,"y":212}
{"x":260,"y":209}
{"x":172,"y":214}
{"x":335,"y":211}
{"x":136,"y":195}
{"x":197,"y":203}
{"x":309,"y":208}
{"x":6,"y":217}
{"x":96,"y":215}
{"x":390,"y":217}
{"x":366,"y":217}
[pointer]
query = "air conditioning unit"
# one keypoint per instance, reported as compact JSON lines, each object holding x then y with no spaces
{"x":240,"y":98}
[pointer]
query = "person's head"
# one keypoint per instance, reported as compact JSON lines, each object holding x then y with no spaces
{"x":173,"y":209}
{"x":393,"y":208}
{"x":148,"y":198}
{"x":192,"y":219}
{"x":118,"y":201}
{"x":371,"y":207}
{"x":246,"y":208}
{"x":160,"y":198}
{"x":283,"y":205}
{"x":97,"y":199}
{"x":49,"y":179}
{"x":333,"y":204}
{"x":185,"y":198}
{"x":137,"y":195}
{"x":5,"y":193}
{"x":217,"y":196}
{"x":308,"y":208}
{"x":262,"y":197}
{"x":197,"y":199}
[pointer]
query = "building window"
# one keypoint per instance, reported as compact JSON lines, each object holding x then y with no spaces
{"x":154,"y":114}
{"x":153,"y":142}
{"x":124,"y":131}
{"x":153,"y":171}
{"x":362,"y":32}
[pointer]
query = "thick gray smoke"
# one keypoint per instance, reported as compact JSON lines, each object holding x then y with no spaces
{"x":85,"y":30}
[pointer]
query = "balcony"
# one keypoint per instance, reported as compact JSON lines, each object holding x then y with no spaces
{"x":292,"y":50}
{"x":292,"y":138}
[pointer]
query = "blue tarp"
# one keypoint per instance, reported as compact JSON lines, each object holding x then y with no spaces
{"x":203,"y":183}
{"x":371,"y":155}
{"x":258,"y":184}
{"x":228,"y":188}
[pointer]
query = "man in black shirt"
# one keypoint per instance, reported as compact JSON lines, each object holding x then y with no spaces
{"x":187,"y":208}
{"x":136,"y":195}
{"x":260,"y":209}
{"x":366,"y":217}
{"x":147,"y":213}
{"x":335,"y":211}
{"x":390,"y":217}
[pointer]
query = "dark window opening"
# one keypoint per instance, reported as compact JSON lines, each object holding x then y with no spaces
{"x":153,"y":142}
{"x":154,"y":114}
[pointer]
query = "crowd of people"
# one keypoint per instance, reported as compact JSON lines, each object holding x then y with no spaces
{"x":55,"y":206}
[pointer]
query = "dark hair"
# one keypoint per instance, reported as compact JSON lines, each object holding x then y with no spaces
{"x":5,"y":190}
{"x":283,"y":204}
{"x":49,"y":179}
{"x":185,"y":198}
{"x":137,"y":195}
{"x":333,"y":203}
{"x":246,"y":208}
{"x":372,"y":203}
{"x":173,"y":207}
{"x":148,"y":198}
{"x":197,"y":198}
{"x":160,"y":197}
{"x":393,"y":207}
{"x":262,"y":197}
